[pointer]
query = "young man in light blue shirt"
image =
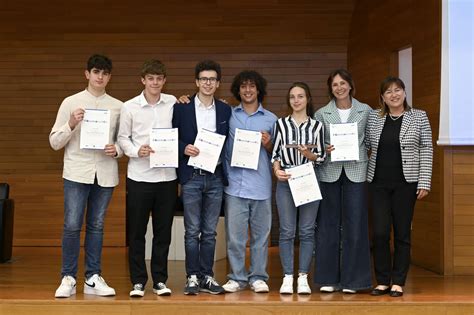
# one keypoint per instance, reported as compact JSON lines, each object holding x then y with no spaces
{"x":248,"y":195}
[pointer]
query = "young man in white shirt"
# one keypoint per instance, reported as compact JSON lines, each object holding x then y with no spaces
{"x":89,"y":178}
{"x":148,"y":189}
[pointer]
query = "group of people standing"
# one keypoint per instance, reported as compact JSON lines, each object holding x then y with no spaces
{"x":398,"y":168}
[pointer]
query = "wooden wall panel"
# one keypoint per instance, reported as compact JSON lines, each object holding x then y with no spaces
{"x":44,"y":47}
{"x":378,"y":29}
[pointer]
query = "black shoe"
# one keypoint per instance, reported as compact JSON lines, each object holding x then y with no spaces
{"x":210,"y":285}
{"x":394,"y":293}
{"x":378,"y":292}
{"x":192,"y":286}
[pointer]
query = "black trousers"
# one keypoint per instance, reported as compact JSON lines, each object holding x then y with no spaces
{"x":392,"y":204}
{"x":160,"y":200}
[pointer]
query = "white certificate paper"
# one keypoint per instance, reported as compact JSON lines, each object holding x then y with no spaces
{"x":246,"y":150}
{"x":345,"y":139}
{"x":210,"y":146}
{"x":164,"y":141}
{"x":95,"y":128}
{"x":303,"y":184}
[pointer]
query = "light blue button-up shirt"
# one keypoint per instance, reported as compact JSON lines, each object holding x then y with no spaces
{"x":243,"y":182}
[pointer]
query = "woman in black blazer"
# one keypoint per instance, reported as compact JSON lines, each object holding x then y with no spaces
{"x":399,"y":171}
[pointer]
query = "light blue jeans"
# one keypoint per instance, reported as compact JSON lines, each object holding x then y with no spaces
{"x":287,"y":212}
{"x":76,"y":197}
{"x":240,"y":214}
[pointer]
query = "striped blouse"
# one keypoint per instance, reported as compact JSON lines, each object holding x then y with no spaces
{"x":287,"y":131}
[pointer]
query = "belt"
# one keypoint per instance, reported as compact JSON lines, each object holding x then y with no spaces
{"x":201,"y":172}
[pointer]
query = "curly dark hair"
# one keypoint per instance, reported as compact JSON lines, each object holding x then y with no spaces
{"x":249,"y":76}
{"x":208,"y":65}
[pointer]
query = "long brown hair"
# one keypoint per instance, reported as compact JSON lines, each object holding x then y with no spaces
{"x":384,"y":86}
{"x":309,"y":98}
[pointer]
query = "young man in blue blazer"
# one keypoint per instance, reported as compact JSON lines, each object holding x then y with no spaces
{"x":201,"y":191}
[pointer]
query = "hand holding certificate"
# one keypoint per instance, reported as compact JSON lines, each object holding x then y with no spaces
{"x":345,"y":139}
{"x":164,"y":142}
{"x":246,"y":150}
{"x":95,"y":128}
{"x":303,"y":184}
{"x":210,"y":146}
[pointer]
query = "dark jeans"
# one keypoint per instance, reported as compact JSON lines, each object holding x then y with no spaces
{"x":393,"y":204}
{"x":159,"y":199}
{"x":342,"y":237}
{"x":202,"y":202}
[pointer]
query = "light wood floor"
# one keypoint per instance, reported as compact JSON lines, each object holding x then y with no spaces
{"x":28,"y":283}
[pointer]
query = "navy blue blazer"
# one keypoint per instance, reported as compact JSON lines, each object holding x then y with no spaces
{"x":184,"y":118}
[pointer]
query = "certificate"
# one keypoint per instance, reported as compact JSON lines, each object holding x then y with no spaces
{"x":304,"y":186}
{"x":95,"y":128}
{"x":345,"y":139}
{"x":164,"y":141}
{"x":246,"y":150}
{"x":210,"y":146}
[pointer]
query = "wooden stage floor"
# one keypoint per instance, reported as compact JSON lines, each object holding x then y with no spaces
{"x":28,"y":282}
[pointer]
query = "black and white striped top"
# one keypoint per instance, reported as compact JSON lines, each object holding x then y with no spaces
{"x":287,"y":131}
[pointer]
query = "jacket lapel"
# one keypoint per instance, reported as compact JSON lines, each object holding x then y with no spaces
{"x":406,"y":122}
{"x":332,"y":116}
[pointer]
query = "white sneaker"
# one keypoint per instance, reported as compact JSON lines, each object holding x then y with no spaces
{"x":287,"y":285}
{"x":96,"y":285}
{"x":161,"y":289}
{"x":349,"y":291}
{"x":327,"y":289}
{"x":303,"y":286}
{"x":66,"y":288}
{"x":259,"y":286}
{"x":232,"y":286}
{"x":138,"y":290}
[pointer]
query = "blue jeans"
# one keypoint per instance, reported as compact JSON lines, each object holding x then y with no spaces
{"x":76,"y":197}
{"x":202,"y":202}
{"x":287,"y":212}
{"x":342,"y":236}
{"x":240,"y":214}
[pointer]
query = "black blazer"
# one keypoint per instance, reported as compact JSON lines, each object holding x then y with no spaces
{"x":184,"y":118}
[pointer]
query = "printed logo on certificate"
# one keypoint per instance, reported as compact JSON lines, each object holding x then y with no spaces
{"x":246,"y":150}
{"x":303,"y":184}
{"x":164,"y":141}
{"x":210,"y":146}
{"x":345,"y":139}
{"x":95,"y":129}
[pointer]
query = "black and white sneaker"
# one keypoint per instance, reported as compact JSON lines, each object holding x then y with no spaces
{"x":138,"y":290}
{"x":161,"y":289}
{"x":210,"y":285}
{"x":192,"y":285}
{"x":96,"y":285}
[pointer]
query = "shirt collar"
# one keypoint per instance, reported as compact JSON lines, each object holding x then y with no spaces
{"x":200,"y":105}
{"x":143,"y":102}
{"x":96,"y":97}
{"x":260,"y":109}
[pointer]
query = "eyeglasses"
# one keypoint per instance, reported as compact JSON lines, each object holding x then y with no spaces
{"x":205,"y":80}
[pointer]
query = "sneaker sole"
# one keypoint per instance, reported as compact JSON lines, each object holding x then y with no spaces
{"x":65,"y":295}
{"x":232,"y":290}
{"x":88,"y":290}
{"x":260,"y":290}
{"x":209,"y":291}
{"x":166,"y":292}
{"x":191,"y":293}
{"x":137,"y":293}
{"x":304,"y":292}
{"x":287,"y":292}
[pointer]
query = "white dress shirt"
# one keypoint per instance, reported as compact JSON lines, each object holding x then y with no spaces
{"x":137,"y":119}
{"x":83,"y":165}
{"x":205,"y":115}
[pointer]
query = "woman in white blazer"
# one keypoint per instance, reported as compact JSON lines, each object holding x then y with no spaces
{"x":400,"y":167}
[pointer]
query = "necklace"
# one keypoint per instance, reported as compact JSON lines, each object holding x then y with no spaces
{"x":395,"y":117}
